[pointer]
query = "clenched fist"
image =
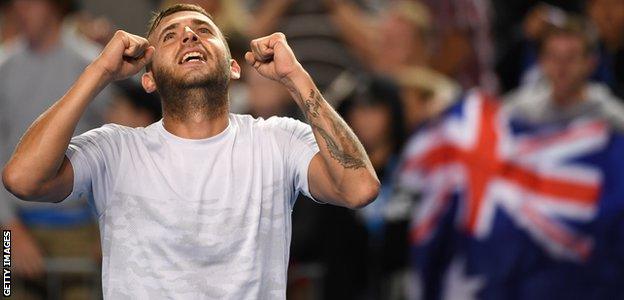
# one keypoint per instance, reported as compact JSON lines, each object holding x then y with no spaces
{"x":124,"y":55}
{"x":272,"y":57}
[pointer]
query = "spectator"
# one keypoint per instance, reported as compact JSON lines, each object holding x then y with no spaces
{"x":518,"y":25}
{"x":375,"y":114}
{"x":604,"y":71}
{"x":30,"y":81}
{"x":568,"y":59}
{"x":523,"y":201}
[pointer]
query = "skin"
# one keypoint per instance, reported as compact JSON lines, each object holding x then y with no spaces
{"x":567,"y":65}
{"x":340,"y":173}
{"x":192,"y":31}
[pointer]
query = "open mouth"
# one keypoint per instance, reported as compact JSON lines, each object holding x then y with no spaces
{"x":193,"y":56}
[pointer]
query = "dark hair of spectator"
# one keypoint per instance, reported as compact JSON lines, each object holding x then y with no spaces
{"x":379,"y":91}
{"x":573,"y":26}
{"x":139,"y":98}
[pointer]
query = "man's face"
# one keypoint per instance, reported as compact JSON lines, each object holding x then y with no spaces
{"x":36,"y":17}
{"x":566,"y":62}
{"x":189,"y":50}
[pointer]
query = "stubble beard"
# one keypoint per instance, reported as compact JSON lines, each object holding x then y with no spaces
{"x":204,"y":94}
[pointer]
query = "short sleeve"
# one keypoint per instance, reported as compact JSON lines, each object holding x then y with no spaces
{"x":300,"y":147}
{"x":94,"y":156}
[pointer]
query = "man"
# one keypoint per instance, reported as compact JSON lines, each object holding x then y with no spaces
{"x":523,"y":201}
{"x":196,"y":205}
{"x":567,"y":59}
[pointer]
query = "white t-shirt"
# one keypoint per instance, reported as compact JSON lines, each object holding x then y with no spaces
{"x":194,"y":219}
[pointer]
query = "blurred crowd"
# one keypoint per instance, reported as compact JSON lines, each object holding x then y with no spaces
{"x":495,"y":128}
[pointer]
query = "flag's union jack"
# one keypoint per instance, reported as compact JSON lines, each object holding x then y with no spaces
{"x":530,"y":177}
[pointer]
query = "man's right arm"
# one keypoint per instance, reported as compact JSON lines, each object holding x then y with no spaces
{"x":38,"y":170}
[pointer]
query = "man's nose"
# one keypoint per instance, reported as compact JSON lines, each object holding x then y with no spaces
{"x":189,"y":35}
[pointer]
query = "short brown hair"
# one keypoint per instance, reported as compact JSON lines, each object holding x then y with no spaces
{"x":575,"y":26}
{"x":157,"y":17}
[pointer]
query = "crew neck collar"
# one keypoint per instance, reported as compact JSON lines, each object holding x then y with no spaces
{"x":195,"y":142}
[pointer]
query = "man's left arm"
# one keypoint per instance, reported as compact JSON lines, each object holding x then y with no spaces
{"x":341,"y":173}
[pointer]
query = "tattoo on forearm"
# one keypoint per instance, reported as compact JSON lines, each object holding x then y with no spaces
{"x":312,"y":104}
{"x":342,"y":145}
{"x":347,"y":160}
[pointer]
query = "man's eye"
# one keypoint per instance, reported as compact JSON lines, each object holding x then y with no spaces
{"x":203,"y":30}
{"x":168,"y":36}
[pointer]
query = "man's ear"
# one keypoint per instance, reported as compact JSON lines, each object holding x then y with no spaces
{"x":235,"y":69}
{"x":148,"y":82}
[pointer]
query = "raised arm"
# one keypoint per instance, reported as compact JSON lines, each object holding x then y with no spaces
{"x":341,"y":174}
{"x":38,"y":169}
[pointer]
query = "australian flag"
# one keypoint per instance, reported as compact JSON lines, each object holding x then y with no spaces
{"x":514,"y":210}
